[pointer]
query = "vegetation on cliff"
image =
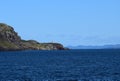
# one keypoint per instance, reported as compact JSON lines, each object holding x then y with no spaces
{"x":10,"y":40}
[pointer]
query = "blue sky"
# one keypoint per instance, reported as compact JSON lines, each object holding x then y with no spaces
{"x":70,"y":22}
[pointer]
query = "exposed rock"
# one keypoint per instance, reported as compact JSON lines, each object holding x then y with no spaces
{"x":9,"y":40}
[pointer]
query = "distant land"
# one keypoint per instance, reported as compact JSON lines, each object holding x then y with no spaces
{"x":117,"y":46}
{"x":10,"y":40}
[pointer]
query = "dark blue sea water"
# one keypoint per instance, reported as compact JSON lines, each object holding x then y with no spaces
{"x":68,"y":65}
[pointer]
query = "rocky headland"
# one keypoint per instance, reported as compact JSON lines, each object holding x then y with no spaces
{"x":10,"y":41}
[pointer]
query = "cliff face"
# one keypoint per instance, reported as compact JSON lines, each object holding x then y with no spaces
{"x":9,"y":40}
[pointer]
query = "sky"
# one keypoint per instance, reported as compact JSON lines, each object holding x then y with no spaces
{"x":70,"y":22}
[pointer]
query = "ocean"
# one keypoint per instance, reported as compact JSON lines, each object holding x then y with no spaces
{"x":64,"y":65}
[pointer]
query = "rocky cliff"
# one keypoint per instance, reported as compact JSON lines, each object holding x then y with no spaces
{"x":10,"y":40}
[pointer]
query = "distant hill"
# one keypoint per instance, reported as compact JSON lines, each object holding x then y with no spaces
{"x":117,"y":46}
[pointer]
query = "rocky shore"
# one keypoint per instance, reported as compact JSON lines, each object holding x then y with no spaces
{"x":10,"y":40}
